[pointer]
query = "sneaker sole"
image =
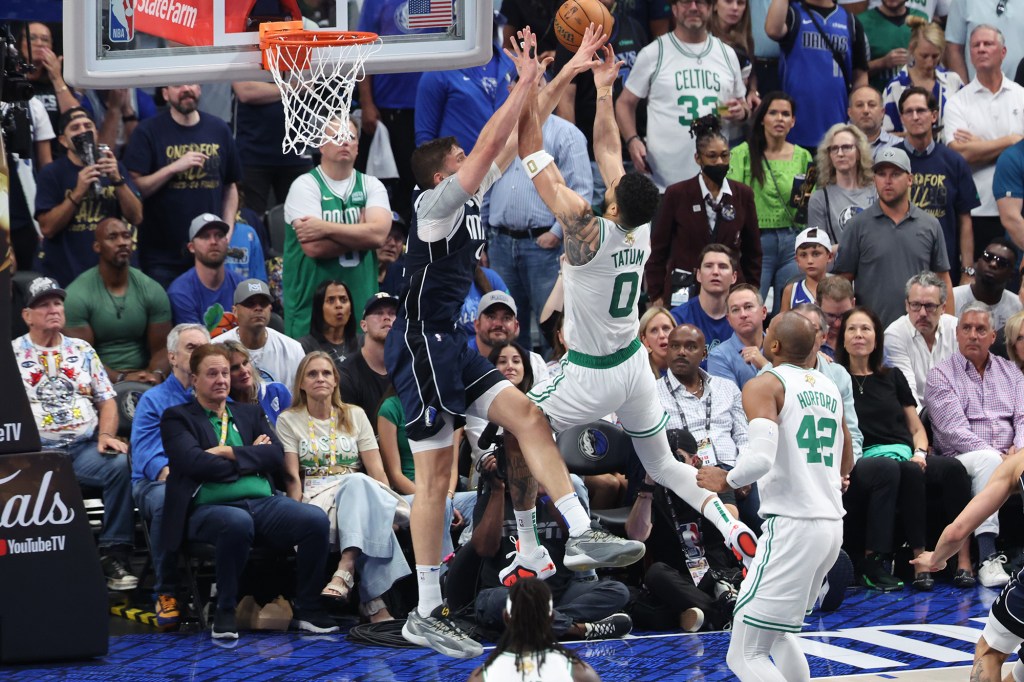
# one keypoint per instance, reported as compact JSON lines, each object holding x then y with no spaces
{"x":583,"y":562}
{"x":521,"y":573}
{"x":223,"y":635}
{"x":881,"y":588}
{"x":306,"y":626}
{"x":994,"y":585}
{"x":122,"y":585}
{"x":439,"y":647}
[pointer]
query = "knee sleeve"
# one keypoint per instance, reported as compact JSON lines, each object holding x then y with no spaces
{"x":749,"y":651}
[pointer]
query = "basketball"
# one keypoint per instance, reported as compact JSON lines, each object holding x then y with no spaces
{"x":573,"y":18}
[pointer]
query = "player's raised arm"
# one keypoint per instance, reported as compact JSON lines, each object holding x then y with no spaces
{"x":607,"y":143}
{"x":582,"y":232}
{"x":498,"y":129}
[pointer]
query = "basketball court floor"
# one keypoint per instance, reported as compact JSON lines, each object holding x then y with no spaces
{"x":906,"y":636}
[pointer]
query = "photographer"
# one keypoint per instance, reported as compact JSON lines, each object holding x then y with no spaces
{"x":693,"y":581}
{"x":75,"y":194}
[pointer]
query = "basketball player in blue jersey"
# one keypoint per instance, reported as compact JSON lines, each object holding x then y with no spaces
{"x":605,"y":370}
{"x":439,"y":379}
{"x":1004,"y":630}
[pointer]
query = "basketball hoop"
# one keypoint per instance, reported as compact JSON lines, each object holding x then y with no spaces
{"x":316,"y":72}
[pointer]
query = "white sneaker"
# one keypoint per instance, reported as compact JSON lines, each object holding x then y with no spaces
{"x":992,"y":573}
{"x":537,"y":564}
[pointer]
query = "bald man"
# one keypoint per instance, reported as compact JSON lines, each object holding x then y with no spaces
{"x":798,"y":452}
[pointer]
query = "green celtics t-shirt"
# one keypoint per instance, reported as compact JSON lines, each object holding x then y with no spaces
{"x":302,"y":274}
{"x":118,"y":323}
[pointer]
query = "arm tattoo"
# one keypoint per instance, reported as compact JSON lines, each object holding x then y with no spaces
{"x":582,"y":237}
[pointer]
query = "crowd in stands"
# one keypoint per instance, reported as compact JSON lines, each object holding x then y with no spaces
{"x":860,"y":163}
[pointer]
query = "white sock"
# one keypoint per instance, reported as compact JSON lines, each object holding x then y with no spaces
{"x":526,"y":525}
{"x":429,"y":581}
{"x":715,"y":512}
{"x":576,"y":517}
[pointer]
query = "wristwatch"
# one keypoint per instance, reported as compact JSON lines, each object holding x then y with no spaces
{"x":969,"y":270}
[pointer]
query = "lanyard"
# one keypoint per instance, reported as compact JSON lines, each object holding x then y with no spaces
{"x":333,"y":436}
{"x":224,"y":426}
{"x":682,"y":413}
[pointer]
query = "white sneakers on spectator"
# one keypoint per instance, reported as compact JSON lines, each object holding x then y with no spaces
{"x":992,"y":573}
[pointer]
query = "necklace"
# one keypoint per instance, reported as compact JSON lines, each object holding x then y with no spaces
{"x":705,"y":48}
{"x":332,"y":438}
{"x":860,"y":383}
{"x":119,"y":309}
{"x":699,"y":391}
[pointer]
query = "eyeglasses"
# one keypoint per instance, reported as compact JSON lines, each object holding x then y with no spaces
{"x":996,"y":260}
{"x":844,"y":148}
{"x":1000,"y":8}
{"x":916,"y":306}
{"x":916,"y":112}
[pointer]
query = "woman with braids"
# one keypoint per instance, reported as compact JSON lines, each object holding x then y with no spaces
{"x":704,"y":209}
{"x":528,"y":651}
{"x":769,"y":164}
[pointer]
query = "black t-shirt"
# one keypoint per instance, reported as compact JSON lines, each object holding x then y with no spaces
{"x":539,"y":15}
{"x":665,"y":543}
{"x":880,"y":408}
{"x":361,"y":386}
{"x":628,"y":37}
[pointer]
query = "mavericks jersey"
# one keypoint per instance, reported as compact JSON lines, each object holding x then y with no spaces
{"x":357,"y":269}
{"x":805,"y":482}
{"x":600,"y":297}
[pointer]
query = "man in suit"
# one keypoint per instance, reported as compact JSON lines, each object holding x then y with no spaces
{"x":223,"y":461}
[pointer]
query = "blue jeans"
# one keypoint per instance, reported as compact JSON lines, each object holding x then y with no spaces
{"x":278,"y":522}
{"x":529,"y":273}
{"x":149,"y":498}
{"x":778,"y":262}
{"x":111,"y":474}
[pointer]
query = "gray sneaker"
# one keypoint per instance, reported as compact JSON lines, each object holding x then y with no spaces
{"x":440,"y":633}
{"x":598,"y":549}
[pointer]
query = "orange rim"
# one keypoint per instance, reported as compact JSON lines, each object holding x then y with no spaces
{"x":289,"y":37}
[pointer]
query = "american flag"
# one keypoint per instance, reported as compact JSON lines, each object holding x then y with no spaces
{"x":430,"y":13}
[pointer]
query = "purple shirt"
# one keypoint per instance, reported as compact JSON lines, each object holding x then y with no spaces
{"x":973,"y":412}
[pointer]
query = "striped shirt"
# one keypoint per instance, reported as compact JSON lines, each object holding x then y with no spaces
{"x":970,"y":411}
{"x":687,"y":411}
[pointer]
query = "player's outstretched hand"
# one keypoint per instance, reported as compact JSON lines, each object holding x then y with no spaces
{"x":606,"y":68}
{"x":926,"y":563}
{"x":713,"y":479}
{"x":524,"y":55}
{"x":593,"y":40}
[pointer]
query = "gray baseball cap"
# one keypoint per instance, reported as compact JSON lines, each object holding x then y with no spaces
{"x":251,"y":287}
{"x":495,"y":297}
{"x":40,"y":288}
{"x":203,"y":221}
{"x":892,"y":157}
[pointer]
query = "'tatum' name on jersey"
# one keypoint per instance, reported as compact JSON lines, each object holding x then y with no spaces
{"x":628,"y":257}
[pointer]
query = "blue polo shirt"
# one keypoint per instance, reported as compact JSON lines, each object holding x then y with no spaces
{"x":726,"y":361}
{"x":148,"y":456}
{"x":715,"y":331}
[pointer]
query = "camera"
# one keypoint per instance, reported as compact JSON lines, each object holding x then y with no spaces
{"x":15,"y":91}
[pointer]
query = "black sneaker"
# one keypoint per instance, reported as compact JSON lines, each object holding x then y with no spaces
{"x":615,"y":626}
{"x":224,"y":625}
{"x":964,"y":579}
{"x":118,"y":577}
{"x":923,"y":582}
{"x":439,"y":632}
{"x":313,"y":620}
{"x":875,"y":575}
{"x":838,"y":578}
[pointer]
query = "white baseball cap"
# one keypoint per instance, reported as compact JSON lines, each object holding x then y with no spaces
{"x":814,"y":235}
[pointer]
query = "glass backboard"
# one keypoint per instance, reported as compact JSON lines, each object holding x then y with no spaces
{"x":130,"y":43}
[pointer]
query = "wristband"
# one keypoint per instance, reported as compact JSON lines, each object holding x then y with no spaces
{"x":118,"y":182}
{"x":536,"y":162}
{"x":129,"y":118}
{"x":62,"y":88}
{"x":647,"y":487}
{"x":67,"y":195}
{"x":635,"y":137}
{"x":920,"y":451}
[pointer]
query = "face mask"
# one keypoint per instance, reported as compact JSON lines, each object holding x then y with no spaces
{"x":715,"y":173}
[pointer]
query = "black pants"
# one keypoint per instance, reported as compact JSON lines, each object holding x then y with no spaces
{"x":669,"y":593}
{"x":401,"y":125}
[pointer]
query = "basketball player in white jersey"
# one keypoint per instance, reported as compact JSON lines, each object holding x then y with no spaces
{"x":798,"y":452}
{"x":605,"y":369}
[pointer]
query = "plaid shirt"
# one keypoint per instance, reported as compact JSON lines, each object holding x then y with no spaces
{"x":971,"y":412}
{"x":685,"y":410}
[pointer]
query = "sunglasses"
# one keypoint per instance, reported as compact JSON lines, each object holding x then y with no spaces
{"x":996,"y":260}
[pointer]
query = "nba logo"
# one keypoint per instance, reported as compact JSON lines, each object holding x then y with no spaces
{"x":122,"y":21}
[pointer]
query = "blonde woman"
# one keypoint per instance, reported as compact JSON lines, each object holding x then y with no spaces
{"x":655,"y":326}
{"x":1014,"y":334}
{"x":331,"y":460}
{"x":927,"y":45}
{"x":845,"y":181}
{"x":247,"y":386}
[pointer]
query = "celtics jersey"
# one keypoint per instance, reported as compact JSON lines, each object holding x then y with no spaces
{"x":302,"y":275}
{"x":600,"y":296}
{"x":805,"y":481}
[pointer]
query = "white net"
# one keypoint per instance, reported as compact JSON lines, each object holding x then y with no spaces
{"x":316,"y":83}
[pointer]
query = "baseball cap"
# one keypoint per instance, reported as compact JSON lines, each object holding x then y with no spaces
{"x":892,"y":157}
{"x":203,"y":221}
{"x":70,"y":115}
{"x":251,"y":287}
{"x":40,"y":288}
{"x":495,"y":297}
{"x":377,"y":300}
{"x":814,"y":235}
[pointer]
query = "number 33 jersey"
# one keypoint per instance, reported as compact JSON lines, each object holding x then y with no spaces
{"x":805,"y":481}
{"x":600,"y":296}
